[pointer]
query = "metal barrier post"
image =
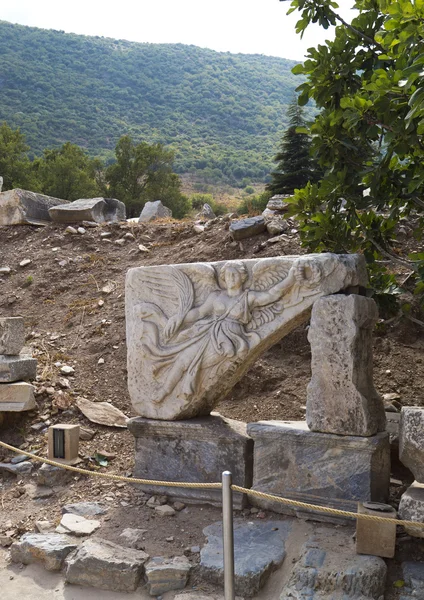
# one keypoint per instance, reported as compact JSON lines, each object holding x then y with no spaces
{"x":228,"y":535}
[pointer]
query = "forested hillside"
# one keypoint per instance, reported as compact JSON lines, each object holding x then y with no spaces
{"x":222,"y":113}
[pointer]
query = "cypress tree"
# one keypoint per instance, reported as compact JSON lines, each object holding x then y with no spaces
{"x":295,"y":166}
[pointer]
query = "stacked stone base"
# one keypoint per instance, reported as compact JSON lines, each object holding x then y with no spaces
{"x":16,"y":368}
{"x":337,"y":471}
{"x":196,"y":451}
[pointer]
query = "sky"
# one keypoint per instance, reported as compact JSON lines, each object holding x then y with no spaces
{"x":246,"y":26}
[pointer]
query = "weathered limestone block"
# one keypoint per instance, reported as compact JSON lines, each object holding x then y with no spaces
{"x":167,"y":574}
{"x":97,"y":210}
{"x":259,"y":549}
{"x":17,"y":368}
{"x":246,"y":228}
{"x":320,"y":468}
{"x":164,"y":451}
{"x":411,"y":440}
{"x":20,"y":207}
{"x":341,"y":395}
{"x":207,"y":212}
{"x":193,"y":330}
{"x":12,"y":335}
{"x":277,"y":203}
{"x":50,"y":549}
{"x":376,"y":538}
{"x":329,"y":568}
{"x":17,"y":397}
{"x":107,"y":566}
{"x":154,"y":210}
{"x":411,"y":508}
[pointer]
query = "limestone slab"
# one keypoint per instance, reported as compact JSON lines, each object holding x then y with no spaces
{"x":107,"y":566}
{"x":50,"y":549}
{"x":246,"y":228}
{"x":96,"y":210}
{"x":85,"y":509}
{"x":167,"y":574}
{"x":194,"y":329}
{"x":21,"y":207}
{"x":328,"y":569}
{"x":341,"y":397}
{"x":259,"y":548}
{"x":77,"y":525}
{"x":411,"y":508}
{"x":12,"y":335}
{"x":293,"y":462}
{"x":154,"y":210}
{"x":17,"y":368}
{"x":17,"y":397}
{"x":197,"y":450}
{"x":411,"y":440}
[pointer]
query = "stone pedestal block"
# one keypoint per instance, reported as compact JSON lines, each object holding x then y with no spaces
{"x":341,"y":395}
{"x":324,"y":469}
{"x":17,"y":397}
{"x":197,"y":450}
{"x":411,"y":440}
{"x":411,"y":508}
{"x":17,"y":368}
{"x":376,"y":538}
{"x":12,"y":335}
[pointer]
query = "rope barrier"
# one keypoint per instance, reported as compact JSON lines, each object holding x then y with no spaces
{"x":218,"y":486}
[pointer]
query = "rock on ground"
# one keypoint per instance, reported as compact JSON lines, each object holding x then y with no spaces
{"x":154,"y":210}
{"x":76,"y":525}
{"x":107,"y":566}
{"x":246,"y":228}
{"x":53,"y":476}
{"x":17,"y":397}
{"x":411,"y":508}
{"x":21,"y":207}
{"x":166,"y":574}
{"x":413,"y":575}
{"x":12,"y":335}
{"x":97,"y":210}
{"x":50,"y":549}
{"x":85,"y":509}
{"x":259,"y":549}
{"x":133,"y":538}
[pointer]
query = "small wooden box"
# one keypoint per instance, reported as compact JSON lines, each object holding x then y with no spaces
{"x":64,"y":443}
{"x":373,"y":537}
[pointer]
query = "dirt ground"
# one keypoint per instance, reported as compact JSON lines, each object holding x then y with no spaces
{"x":69,"y":320}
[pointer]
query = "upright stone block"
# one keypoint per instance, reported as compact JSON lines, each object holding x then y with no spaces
{"x":341,"y":397}
{"x":197,"y":451}
{"x":293,"y":462}
{"x":411,"y":440}
{"x":411,"y":508}
{"x":17,"y":368}
{"x":12,"y":335}
{"x":17,"y":397}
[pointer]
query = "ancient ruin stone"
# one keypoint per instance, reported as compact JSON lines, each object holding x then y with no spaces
{"x":207,"y":212}
{"x":411,"y":440}
{"x":17,"y":368}
{"x":12,"y":335}
{"x":246,"y":228}
{"x":50,"y":549}
{"x":330,"y":569}
{"x":97,"y":210}
{"x":193,"y":330}
{"x":21,"y":207}
{"x":341,"y":395}
{"x":167,"y":574}
{"x":411,"y":508}
{"x":133,"y":538}
{"x":277,"y":203}
{"x":259,"y":548}
{"x":53,"y":476}
{"x":77,"y":525}
{"x":85,"y":509}
{"x":107,"y":566}
{"x":154,"y":210}
{"x":17,"y":397}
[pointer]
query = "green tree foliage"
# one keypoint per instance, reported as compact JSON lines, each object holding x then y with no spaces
{"x":369,"y":135}
{"x":295,"y":166}
{"x":142,"y":173}
{"x":67,"y":173}
{"x":15,"y":167}
{"x":222,"y":113}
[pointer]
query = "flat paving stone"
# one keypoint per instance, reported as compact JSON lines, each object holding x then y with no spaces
{"x":85,"y":509}
{"x":76,"y":525}
{"x":259,"y":548}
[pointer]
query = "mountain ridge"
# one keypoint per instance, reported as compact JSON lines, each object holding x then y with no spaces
{"x":222,"y":113}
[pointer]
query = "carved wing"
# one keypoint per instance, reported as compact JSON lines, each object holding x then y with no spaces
{"x":266,"y":274}
{"x":168,"y":287}
{"x":204,"y":281}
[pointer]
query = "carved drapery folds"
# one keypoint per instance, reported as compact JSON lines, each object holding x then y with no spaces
{"x":194,"y":329}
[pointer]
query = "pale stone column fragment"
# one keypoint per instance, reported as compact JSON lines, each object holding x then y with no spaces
{"x":12,"y":335}
{"x":341,"y":397}
{"x":411,"y":440}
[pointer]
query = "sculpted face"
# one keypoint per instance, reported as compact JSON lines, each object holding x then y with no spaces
{"x":233,"y":278}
